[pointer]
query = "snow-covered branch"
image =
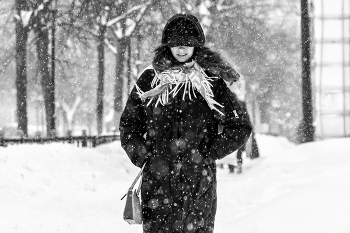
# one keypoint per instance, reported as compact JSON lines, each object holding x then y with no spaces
{"x":71,"y":111}
{"x":130,"y":23}
{"x":7,"y":61}
{"x":111,"y":47}
{"x":24,"y":17}
{"x":130,"y":27}
{"x":142,"y":11}
{"x":131,"y":10}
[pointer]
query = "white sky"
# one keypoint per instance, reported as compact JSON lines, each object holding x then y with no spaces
{"x":62,"y":188}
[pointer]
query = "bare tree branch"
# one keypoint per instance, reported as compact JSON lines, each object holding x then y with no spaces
{"x":7,"y":60}
{"x":131,"y":10}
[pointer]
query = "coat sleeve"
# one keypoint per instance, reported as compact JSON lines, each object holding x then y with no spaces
{"x":133,"y":125}
{"x":235,"y":123}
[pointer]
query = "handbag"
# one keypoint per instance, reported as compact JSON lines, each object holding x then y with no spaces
{"x":133,"y":211}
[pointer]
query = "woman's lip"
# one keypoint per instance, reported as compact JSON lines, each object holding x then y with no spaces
{"x":182,"y":54}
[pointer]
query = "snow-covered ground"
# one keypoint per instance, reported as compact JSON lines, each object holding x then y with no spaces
{"x":61,"y":188}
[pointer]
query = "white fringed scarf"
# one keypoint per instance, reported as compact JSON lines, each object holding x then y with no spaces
{"x":171,"y":81}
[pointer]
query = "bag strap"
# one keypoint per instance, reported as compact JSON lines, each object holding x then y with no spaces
{"x":139,"y":188}
{"x":136,"y":179}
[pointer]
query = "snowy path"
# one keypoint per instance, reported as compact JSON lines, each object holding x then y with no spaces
{"x":99,"y":210}
{"x":60,"y":188}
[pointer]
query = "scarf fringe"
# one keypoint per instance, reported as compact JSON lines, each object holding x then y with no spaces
{"x":170,"y":82}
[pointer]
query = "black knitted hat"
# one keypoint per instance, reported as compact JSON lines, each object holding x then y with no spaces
{"x":183,"y":29}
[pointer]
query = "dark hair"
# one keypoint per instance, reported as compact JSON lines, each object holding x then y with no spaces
{"x":209,"y":60}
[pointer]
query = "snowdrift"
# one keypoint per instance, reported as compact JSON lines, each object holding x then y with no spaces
{"x":61,"y":188}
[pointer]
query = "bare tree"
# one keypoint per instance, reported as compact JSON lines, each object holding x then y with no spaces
{"x":123,"y":29}
{"x":41,"y":25}
{"x":99,"y":13}
{"x":103,"y":16}
{"x":22,"y":31}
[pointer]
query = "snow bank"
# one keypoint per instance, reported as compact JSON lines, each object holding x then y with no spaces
{"x":61,"y":188}
{"x":321,"y":209}
{"x":267,"y":144}
{"x":306,"y":189}
{"x":40,"y":168}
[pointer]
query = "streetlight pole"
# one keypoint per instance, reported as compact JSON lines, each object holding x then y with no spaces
{"x":307,"y":122}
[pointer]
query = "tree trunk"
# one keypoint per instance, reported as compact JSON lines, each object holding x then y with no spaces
{"x":129,"y":73}
{"x":119,"y":79}
{"x":21,"y":70}
{"x":307,"y":124}
{"x":100,"y":82}
{"x":138,"y":55}
{"x":47,"y":83}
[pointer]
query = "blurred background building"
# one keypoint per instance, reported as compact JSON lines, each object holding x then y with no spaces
{"x":331,"y":74}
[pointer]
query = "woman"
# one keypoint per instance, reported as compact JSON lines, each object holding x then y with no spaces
{"x":180,"y":117}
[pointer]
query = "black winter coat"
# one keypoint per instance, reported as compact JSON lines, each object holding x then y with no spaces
{"x":180,"y":142}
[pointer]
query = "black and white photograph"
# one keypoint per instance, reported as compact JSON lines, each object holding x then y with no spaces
{"x":174,"y":116}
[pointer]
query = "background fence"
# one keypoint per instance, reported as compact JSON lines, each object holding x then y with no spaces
{"x":80,"y":141}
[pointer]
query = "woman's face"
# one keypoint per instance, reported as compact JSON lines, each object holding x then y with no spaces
{"x":182,"y":53}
